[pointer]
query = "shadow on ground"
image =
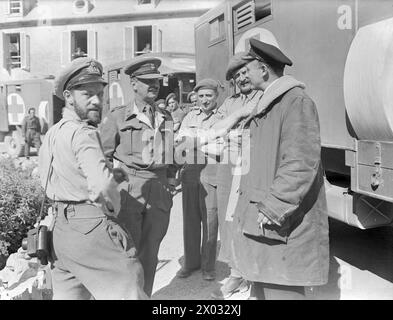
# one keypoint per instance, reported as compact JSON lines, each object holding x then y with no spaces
{"x":193,"y":287}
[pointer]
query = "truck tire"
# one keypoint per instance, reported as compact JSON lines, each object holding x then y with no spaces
{"x":14,"y":144}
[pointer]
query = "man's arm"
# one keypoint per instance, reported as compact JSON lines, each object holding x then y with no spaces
{"x":109,"y":136}
{"x":38,"y":126}
{"x":300,"y":157}
{"x":100,"y":181}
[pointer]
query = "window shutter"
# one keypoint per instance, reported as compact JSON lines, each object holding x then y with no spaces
{"x":6,"y":52}
{"x":92,"y":44}
{"x":7,"y":7}
{"x":65,"y":47}
{"x":128,"y":43}
{"x":156,"y":39}
{"x":25,"y":51}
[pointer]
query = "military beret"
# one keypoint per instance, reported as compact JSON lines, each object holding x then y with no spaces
{"x":144,"y":68}
{"x":207,"y":84}
{"x":259,"y":49}
{"x":79,"y":71}
{"x":235,"y":63}
{"x":159,"y":101}
{"x":169,"y":96}
{"x":190,"y":94}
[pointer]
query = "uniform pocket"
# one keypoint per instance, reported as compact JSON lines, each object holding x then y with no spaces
{"x":121,"y":239}
{"x":252,"y":227}
{"x":84,"y":226}
{"x":131,"y":136}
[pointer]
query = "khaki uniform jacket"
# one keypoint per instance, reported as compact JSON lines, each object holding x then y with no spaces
{"x":129,"y":136}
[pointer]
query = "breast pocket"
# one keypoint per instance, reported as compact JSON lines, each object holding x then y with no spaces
{"x":131,"y":136}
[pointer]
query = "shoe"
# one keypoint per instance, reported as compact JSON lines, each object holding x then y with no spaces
{"x":208,"y":275}
{"x":185,"y":273}
{"x":231,"y":286}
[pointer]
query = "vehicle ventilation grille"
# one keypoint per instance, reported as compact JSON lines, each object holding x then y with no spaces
{"x":244,"y":15}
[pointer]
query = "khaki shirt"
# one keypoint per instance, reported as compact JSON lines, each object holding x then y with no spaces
{"x":194,"y":124}
{"x":80,"y":172}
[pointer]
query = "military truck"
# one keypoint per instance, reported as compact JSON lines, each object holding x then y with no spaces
{"x":343,"y":51}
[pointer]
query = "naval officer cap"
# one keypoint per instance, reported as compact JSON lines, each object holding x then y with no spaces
{"x":144,"y":68}
{"x":80,"y":71}
{"x":207,"y":84}
{"x":235,"y":63}
{"x":266,"y":51}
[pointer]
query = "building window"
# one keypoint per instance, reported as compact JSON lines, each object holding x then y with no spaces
{"x":217,"y":29}
{"x":15,"y":7}
{"x":78,"y":44}
{"x":14,"y":50}
{"x":143,"y":40}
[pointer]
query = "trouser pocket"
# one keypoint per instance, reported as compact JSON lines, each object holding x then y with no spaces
{"x":121,"y":239}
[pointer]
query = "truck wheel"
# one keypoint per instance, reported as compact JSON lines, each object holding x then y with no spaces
{"x":14,"y":144}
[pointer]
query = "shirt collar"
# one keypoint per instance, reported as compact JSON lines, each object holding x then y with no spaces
{"x":69,"y":114}
{"x":199,"y":111}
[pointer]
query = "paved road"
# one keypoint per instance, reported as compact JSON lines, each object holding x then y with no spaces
{"x":361,"y":265}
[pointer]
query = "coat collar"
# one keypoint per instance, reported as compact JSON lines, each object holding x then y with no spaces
{"x":276,"y":89}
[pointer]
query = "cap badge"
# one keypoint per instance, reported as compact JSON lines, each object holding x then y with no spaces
{"x":93,"y":68}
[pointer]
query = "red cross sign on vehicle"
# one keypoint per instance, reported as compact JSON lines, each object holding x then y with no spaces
{"x":16,"y":109}
{"x":115,"y":95}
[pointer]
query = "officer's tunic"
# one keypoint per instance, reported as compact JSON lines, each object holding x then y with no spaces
{"x":199,"y":188}
{"x":31,"y":130}
{"x":92,"y":254}
{"x":141,"y":139}
{"x":226,"y":167}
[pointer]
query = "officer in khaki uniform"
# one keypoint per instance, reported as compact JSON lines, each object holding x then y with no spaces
{"x":141,"y":139}
{"x":92,"y":255}
{"x":31,"y":132}
{"x":199,"y":189}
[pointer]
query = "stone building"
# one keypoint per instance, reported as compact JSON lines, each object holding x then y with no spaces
{"x":37,"y":37}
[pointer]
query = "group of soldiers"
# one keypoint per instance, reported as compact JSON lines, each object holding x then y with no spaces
{"x":112,"y":182}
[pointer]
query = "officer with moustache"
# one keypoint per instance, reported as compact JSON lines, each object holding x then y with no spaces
{"x":140,"y":138}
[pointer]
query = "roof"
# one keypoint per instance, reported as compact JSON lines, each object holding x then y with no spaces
{"x":171,"y":62}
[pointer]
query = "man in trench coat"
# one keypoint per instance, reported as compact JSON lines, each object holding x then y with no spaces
{"x":280,"y":238}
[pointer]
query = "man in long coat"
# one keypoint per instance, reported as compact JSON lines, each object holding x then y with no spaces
{"x":280,"y":236}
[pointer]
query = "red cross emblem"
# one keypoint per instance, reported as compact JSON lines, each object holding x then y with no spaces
{"x":16,"y":108}
{"x":116,"y":97}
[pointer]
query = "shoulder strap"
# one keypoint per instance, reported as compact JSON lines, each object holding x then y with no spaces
{"x":40,"y":216}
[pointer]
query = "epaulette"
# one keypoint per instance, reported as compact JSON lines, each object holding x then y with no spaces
{"x":118,"y":107}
